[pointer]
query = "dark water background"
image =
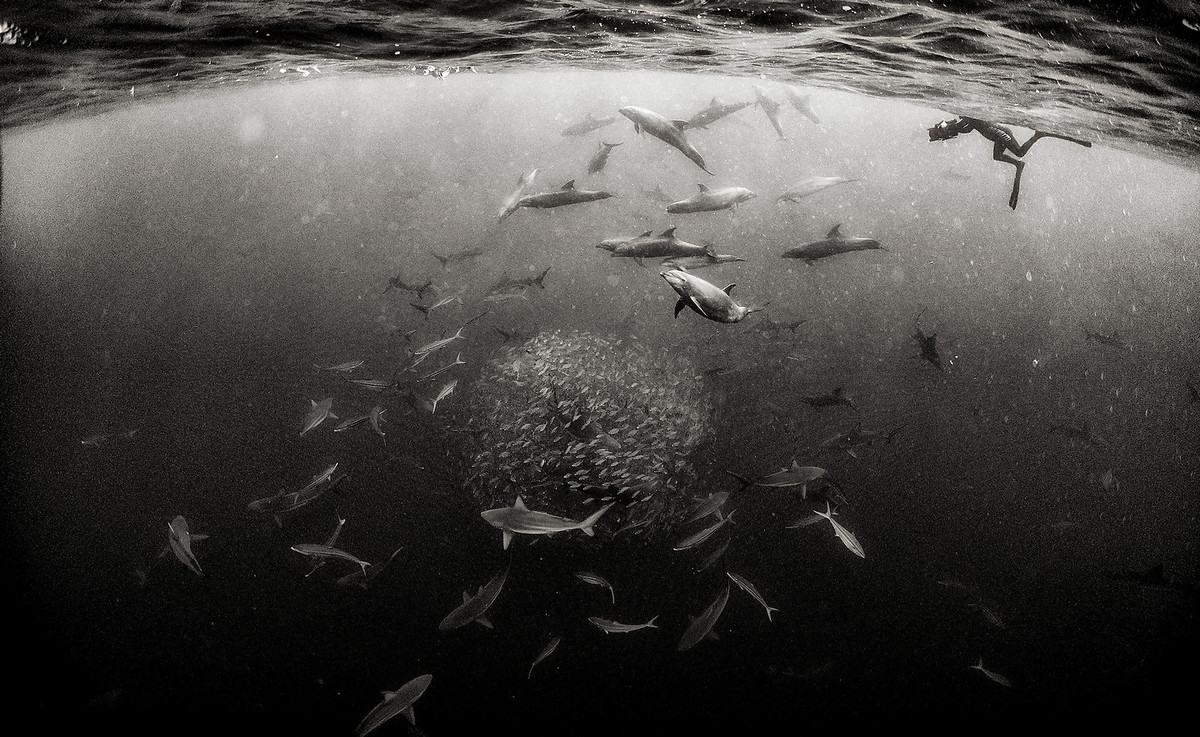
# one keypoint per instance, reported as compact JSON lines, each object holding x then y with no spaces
{"x":177,"y":267}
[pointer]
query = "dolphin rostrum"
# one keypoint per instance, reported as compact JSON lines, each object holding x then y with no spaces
{"x":668,"y":131}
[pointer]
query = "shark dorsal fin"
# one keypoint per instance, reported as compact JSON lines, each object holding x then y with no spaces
{"x":670,"y":232}
{"x":835,"y":231}
{"x":729,"y":289}
{"x":466,"y":597}
{"x":519,"y":504}
{"x":795,"y":465}
{"x":702,"y":187}
{"x":569,"y":185}
{"x":646,"y":234}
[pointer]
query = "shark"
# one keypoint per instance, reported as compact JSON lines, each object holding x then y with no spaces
{"x":702,"y":625}
{"x":395,"y":702}
{"x":520,"y":520}
{"x":473,"y":607}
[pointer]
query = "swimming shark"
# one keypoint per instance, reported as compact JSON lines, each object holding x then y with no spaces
{"x":927,"y":344}
{"x":831,"y":245}
{"x":702,"y":625}
{"x":395,"y":702}
{"x":667,"y":131}
{"x":796,"y":475}
{"x":179,"y":538}
{"x":858,"y":437}
{"x":473,"y":608}
{"x":705,"y":298}
{"x":707,"y":199}
{"x":519,"y":520}
{"x":567,"y":195}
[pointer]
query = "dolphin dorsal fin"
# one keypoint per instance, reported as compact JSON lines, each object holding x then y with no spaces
{"x":519,"y":504}
{"x":646,"y":234}
{"x":715,"y":101}
{"x":680,"y":124}
{"x":571,"y":185}
{"x":729,"y":289}
{"x":835,"y":231}
{"x":702,"y":187}
{"x":669,"y":232}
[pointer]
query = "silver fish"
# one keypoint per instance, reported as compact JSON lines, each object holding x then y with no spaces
{"x":316,"y":550}
{"x":993,"y":675}
{"x":843,"y":534}
{"x":180,"y":541}
{"x":695,"y":539}
{"x":749,"y":589}
{"x":318,"y":413}
{"x":596,"y":580}
{"x":610,"y":626}
{"x":442,"y":394}
{"x":550,"y":648}
{"x":341,"y":367}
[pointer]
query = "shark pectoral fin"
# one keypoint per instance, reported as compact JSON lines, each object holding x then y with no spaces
{"x":411,"y":715}
{"x":508,"y":536}
{"x":679,"y":306}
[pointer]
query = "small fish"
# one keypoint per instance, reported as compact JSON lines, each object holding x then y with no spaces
{"x":94,"y":441}
{"x":467,"y":254}
{"x":702,"y":625}
{"x":316,"y":550}
{"x":843,"y":534}
{"x":419,"y":289}
{"x":695,"y":539}
{"x":1111,"y":340}
{"x":318,"y":413}
{"x":438,"y":344}
{"x":994,"y":676}
{"x":456,"y":362}
{"x":610,"y":626}
{"x":341,"y":367}
{"x":546,"y":652}
{"x":375,"y":385}
{"x":595,"y":580}
{"x":713,"y":557}
{"x":749,"y":589}
{"x":376,"y":416}
{"x":445,"y":391}
{"x":395,"y":702}
{"x":180,"y":541}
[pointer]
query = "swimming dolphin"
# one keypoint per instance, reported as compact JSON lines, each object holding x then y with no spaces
{"x":568,"y":195}
{"x":668,"y":131}
{"x":648,"y":245}
{"x":810,"y":186}
{"x":691,"y":263}
{"x":801,"y":103}
{"x":589,"y":123}
{"x":524,"y":182}
{"x":600,"y":158}
{"x":770,"y":106}
{"x":712,"y":199}
{"x":714,"y":112}
{"x":831,"y":245}
{"x":705,"y":298}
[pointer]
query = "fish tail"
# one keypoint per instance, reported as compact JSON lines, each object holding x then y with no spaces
{"x":745,"y":481}
{"x":586,"y":525}
{"x":538,"y":281}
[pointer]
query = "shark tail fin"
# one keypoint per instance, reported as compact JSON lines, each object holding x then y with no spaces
{"x":539,"y":281}
{"x":744,"y":480}
{"x":587,"y":524}
{"x":444,"y":259}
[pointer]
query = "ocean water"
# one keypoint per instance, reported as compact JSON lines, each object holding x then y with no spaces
{"x":203,"y":202}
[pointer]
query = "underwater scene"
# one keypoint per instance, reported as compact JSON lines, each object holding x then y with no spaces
{"x":577,"y":399}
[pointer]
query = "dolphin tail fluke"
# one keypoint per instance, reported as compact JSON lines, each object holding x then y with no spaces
{"x":439,"y":257}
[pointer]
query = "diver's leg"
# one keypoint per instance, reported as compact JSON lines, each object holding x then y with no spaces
{"x":1023,"y":148}
{"x":998,"y":153}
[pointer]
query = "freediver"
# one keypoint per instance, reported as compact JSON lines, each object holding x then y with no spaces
{"x":1005,"y":142}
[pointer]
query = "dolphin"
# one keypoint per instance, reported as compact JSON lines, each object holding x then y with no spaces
{"x":648,"y":245}
{"x":395,"y":702}
{"x":668,"y":131}
{"x":809,"y":186}
{"x":712,"y":199}
{"x":524,"y":182}
{"x":714,"y":112}
{"x":589,"y":123}
{"x":568,"y":195}
{"x":770,"y":106}
{"x":600,"y":158}
{"x":518,"y":519}
{"x":802,"y":103}
{"x":705,"y":298}
{"x":831,"y":245}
